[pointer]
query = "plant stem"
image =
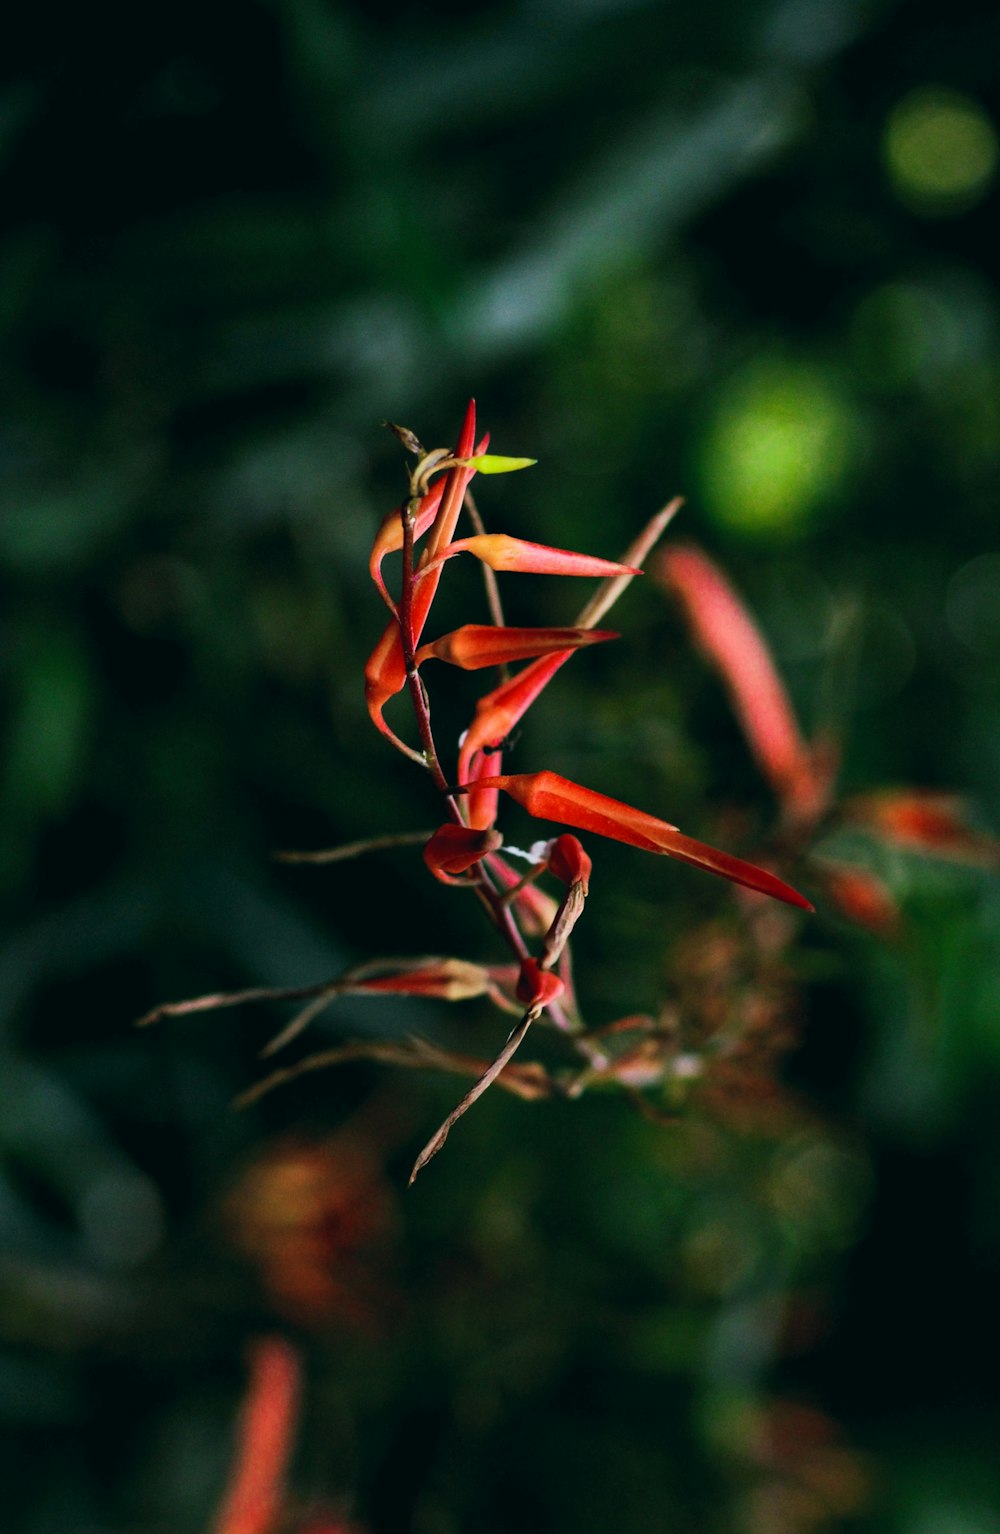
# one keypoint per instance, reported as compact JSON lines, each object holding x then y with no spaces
{"x":421,"y":707}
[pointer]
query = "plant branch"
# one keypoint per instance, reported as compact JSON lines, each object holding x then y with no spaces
{"x":355,"y":849}
{"x":515,"y":1039}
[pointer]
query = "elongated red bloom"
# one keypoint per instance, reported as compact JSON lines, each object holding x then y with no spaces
{"x":385,"y":670}
{"x":548,"y":796}
{"x":732,"y":641}
{"x":924,"y":821}
{"x":502,"y":552}
{"x":389,"y":537}
{"x":443,"y":530}
{"x":265,"y":1434}
{"x":454,"y":849}
{"x":385,"y":676}
{"x":445,"y":979}
{"x":480,"y":804}
{"x":477,"y":645}
{"x":861,"y":896}
{"x":500,"y":710}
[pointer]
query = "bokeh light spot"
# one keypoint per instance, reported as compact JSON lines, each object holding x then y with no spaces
{"x":940,"y":150}
{"x":779,"y":444}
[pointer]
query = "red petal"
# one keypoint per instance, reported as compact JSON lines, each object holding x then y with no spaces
{"x":443,"y":530}
{"x":454,"y":849}
{"x":501,"y":552}
{"x":500,"y":710}
{"x":925,"y":821}
{"x":861,"y":897}
{"x":548,"y":796}
{"x":477,"y":645}
{"x":569,"y":862}
{"x":385,"y":675}
{"x":389,"y":537}
{"x":731,"y":640}
{"x":447,"y":979}
{"x":536,"y":985}
{"x":481,"y":804}
{"x":254,"y":1496}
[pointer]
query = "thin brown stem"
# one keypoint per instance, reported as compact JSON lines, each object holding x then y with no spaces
{"x":489,"y":578}
{"x":609,"y":591}
{"x":418,"y":695}
{"x":515,"y":1039}
{"x":354,"y":849}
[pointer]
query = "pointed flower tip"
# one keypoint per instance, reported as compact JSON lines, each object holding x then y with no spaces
{"x":467,"y":436}
{"x":547,"y":796}
{"x":568,"y":861}
{"x":477,"y":645}
{"x":444,"y":979}
{"x":496,"y":463}
{"x":504,"y":553}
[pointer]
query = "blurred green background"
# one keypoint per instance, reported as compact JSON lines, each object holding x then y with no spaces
{"x":738,"y":250}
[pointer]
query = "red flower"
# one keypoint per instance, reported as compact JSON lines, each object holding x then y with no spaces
{"x":455,"y":849}
{"x":548,"y":796}
{"x":478,"y":645}
{"x":502,"y":552}
{"x":537,"y":986}
{"x":265,"y":1433}
{"x":731,"y":640}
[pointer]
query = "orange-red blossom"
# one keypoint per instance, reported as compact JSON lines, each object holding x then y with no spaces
{"x":547,"y":796}
{"x":731,"y":640}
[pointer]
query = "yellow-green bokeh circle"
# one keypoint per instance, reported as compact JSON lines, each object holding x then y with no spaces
{"x":940,"y":150}
{"x":775,"y":450}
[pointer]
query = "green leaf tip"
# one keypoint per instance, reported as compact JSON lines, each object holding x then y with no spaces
{"x":496,"y":463}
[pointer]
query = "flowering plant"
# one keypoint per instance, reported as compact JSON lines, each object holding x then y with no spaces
{"x":469,"y":851}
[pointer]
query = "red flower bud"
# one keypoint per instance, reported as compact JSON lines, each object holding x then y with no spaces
{"x":454,"y":849}
{"x":537,"y":986}
{"x":569,"y":862}
{"x":445,"y":979}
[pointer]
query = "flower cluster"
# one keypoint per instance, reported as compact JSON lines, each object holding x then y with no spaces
{"x":467,"y":849}
{"x":728,"y":1020}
